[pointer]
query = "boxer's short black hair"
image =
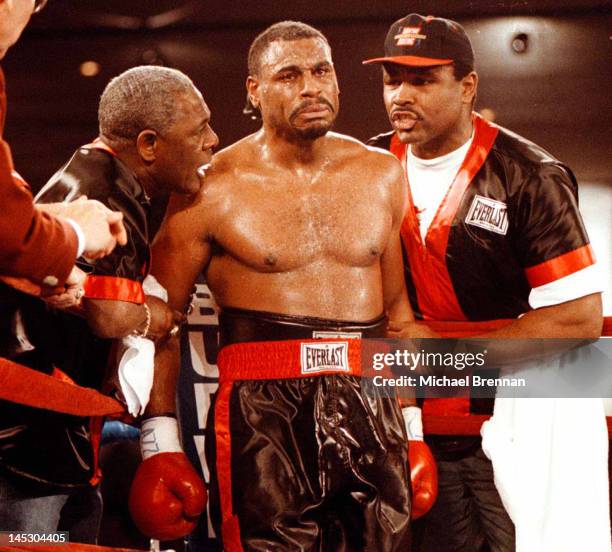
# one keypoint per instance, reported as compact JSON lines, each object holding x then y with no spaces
{"x":285,"y":30}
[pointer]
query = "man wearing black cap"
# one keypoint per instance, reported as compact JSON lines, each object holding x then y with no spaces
{"x":493,"y":232}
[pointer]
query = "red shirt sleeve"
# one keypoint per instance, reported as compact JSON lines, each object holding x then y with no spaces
{"x":33,"y":245}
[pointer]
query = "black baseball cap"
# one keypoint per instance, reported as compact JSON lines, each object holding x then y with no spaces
{"x":418,"y":41}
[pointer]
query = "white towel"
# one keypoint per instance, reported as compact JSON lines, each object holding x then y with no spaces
{"x":550,"y":464}
{"x":135,"y":360}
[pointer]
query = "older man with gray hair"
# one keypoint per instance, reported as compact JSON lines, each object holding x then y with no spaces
{"x":154,"y":137}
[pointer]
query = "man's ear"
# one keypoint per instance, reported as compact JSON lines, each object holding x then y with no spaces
{"x":146,"y":145}
{"x":252,"y":86}
{"x":469,"y":85}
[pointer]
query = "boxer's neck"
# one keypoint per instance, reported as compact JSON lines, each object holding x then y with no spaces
{"x":292,"y":152}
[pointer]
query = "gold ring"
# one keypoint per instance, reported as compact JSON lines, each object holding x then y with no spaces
{"x":174,"y":331}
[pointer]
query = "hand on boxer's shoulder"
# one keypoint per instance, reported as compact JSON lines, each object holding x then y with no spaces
{"x":102,"y":228}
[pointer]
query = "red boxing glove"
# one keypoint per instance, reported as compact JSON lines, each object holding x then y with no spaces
{"x":423,"y":476}
{"x":167,"y":496}
{"x":423,"y":470}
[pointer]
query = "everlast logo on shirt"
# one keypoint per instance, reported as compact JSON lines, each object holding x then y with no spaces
{"x":324,"y":356}
{"x":488,"y":214}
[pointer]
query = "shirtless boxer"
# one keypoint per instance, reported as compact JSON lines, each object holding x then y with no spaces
{"x":298,"y":230}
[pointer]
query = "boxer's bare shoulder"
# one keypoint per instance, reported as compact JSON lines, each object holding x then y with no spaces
{"x":380,"y":163}
{"x":231,"y":161}
{"x":371,"y":168}
{"x":202,"y":210}
{"x":228,"y":167}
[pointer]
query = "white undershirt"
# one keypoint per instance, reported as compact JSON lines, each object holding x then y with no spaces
{"x":430,"y":179}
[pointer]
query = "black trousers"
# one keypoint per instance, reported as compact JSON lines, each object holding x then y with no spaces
{"x":468,"y":515}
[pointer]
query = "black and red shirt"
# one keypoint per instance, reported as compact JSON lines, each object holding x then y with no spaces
{"x":55,"y":450}
{"x":508,"y":223}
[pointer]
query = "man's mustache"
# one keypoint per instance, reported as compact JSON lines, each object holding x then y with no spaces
{"x":308,"y":103}
{"x":399,"y":110}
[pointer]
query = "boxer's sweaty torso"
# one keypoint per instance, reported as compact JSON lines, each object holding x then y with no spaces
{"x":295,"y":232}
{"x":305,"y":242}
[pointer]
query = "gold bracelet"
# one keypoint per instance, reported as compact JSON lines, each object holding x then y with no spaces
{"x":144,"y":332}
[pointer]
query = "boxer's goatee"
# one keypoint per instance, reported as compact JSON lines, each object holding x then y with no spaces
{"x":313,"y":132}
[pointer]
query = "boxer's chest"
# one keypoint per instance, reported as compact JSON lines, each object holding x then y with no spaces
{"x":290,"y":224}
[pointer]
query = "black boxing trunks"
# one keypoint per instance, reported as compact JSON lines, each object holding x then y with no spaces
{"x":304,"y":460}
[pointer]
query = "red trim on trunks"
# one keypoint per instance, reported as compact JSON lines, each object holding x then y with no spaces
{"x":230,"y":527}
{"x":446,"y":407}
{"x":264,"y":360}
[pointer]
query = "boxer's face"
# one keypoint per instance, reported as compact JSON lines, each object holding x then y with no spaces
{"x":186,"y":146}
{"x":425,"y":104}
{"x":296,"y":88}
{"x":14,"y":16}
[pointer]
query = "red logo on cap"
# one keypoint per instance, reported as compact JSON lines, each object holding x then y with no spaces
{"x":408,"y":36}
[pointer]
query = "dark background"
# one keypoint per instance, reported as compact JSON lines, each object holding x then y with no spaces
{"x":556,"y":93}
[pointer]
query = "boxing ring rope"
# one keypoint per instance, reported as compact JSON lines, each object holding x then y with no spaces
{"x":31,"y":388}
{"x":470,"y":424}
{"x":72,"y":547}
{"x":25,"y":386}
